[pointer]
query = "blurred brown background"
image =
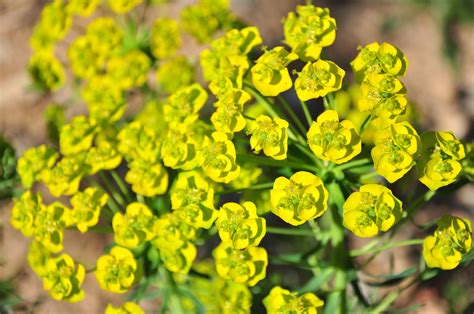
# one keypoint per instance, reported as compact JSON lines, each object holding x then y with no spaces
{"x":436,"y":36}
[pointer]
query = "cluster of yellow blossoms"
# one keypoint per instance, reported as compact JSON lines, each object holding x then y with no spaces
{"x":177,"y":165}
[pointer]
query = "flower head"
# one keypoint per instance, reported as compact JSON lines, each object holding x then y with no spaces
{"x":284,"y":301}
{"x":63,"y":279}
{"x":165,"y":38}
{"x":219,"y":158}
{"x":86,"y":207}
{"x":135,"y":227}
{"x":126,"y":308}
{"x":269,"y":135}
{"x":317,"y":79}
{"x":33,"y":162}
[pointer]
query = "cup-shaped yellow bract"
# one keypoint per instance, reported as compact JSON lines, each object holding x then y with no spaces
{"x":451,"y":240}
{"x":85,"y":61}
{"x":317,"y":79}
{"x":103,"y":156}
{"x":270,"y":75}
{"x":332,"y":140}
{"x":171,"y":232}
{"x":122,"y":6}
{"x":269,"y":135}
{"x":179,"y":260}
{"x":34,"y":162}
{"x":228,"y":117}
{"x":193,"y":199}
{"x":247,"y":266}
{"x":372,"y":209}
{"x":77,"y":136}
{"x":46,"y":71}
{"x":396,"y":148}
{"x":137,"y":141}
{"x":440,"y":163}
{"x":135,"y":227}
{"x":65,"y":176}
{"x":104,"y":99}
{"x":129,"y":70}
{"x":301,"y":198}
{"x":383,"y":96}
{"x":175,"y":73}
{"x":240,"y":225}
{"x":378,"y":58}
{"x":56,"y":19}
{"x":179,"y":150}
{"x":38,"y":255}
{"x":105,"y":36}
{"x":310,"y":31}
{"x":280,"y":300}
{"x":126,"y":308}
{"x":182,"y":107}
{"x":49,"y":226}
{"x":219,"y":158}
{"x":165,"y":38}
{"x":63,"y":279}
{"x":86,"y":208}
{"x":147,"y":178}
{"x":82,"y":7}
{"x":117,"y":271}
{"x":24,"y":212}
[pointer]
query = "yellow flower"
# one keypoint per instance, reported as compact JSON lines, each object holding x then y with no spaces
{"x":310,"y":31}
{"x":182,"y":107}
{"x":317,"y":79}
{"x":165,"y":38}
{"x":117,"y":271}
{"x":270,"y":75}
{"x":129,"y":70}
{"x":139,"y":142}
{"x":63,"y":279}
{"x":56,"y":19}
{"x":33,"y":162}
{"x":179,"y":260}
{"x":24,"y":211}
{"x":171,"y":232}
{"x":65,"y":176}
{"x":375,"y":59}
{"x":193,"y":198}
{"x":146,"y":178}
{"x":179,"y":150}
{"x":49,"y":226}
{"x":82,"y":7}
{"x":383,"y":96}
{"x":395,"y":151}
{"x":105,"y":36}
{"x":135,"y":227}
{"x":228,"y":118}
{"x":77,"y":136}
{"x":126,"y":308}
{"x":301,"y":198}
{"x":46,"y":71}
{"x":38,"y":255}
{"x":175,"y":73}
{"x":270,"y":135}
{"x":246,"y":266}
{"x":284,"y":301}
{"x":374,"y":208}
{"x":103,"y":156}
{"x":240,"y":225}
{"x":219,"y":158}
{"x":86,"y":207}
{"x":440,"y":164}
{"x":122,"y":6}
{"x":451,"y":240}
{"x":85,"y":61}
{"x":332,"y":140}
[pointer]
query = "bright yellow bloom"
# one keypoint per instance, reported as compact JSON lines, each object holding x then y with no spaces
{"x":374,"y":208}
{"x":395,"y":151}
{"x":56,"y":19}
{"x":284,"y":301}
{"x":46,"y":71}
{"x":451,"y":240}
{"x":129,"y":70}
{"x":86,"y":207}
{"x":82,"y":7}
{"x":85,"y":61}
{"x":65,"y":176}
{"x":49,"y":226}
{"x":228,"y":118}
{"x":165,"y":38}
{"x":171,"y":232}
{"x":24,"y":211}
{"x":240,"y":225}
{"x":147,"y":178}
{"x":383,"y":96}
{"x":38,"y":255}
{"x":103,"y":156}
{"x":182,"y":107}
{"x":269,"y":134}
{"x":270,"y":75}
{"x":193,"y":198}
{"x":139,"y":142}
{"x":219,"y":158}
{"x":246,"y":266}
{"x":317,"y":79}
{"x":126,"y":308}
{"x":135,"y":227}
{"x":33,"y":162}
{"x":440,"y":164}
{"x":63,"y":279}
{"x":376,"y":59}
{"x":310,"y":31}
{"x":175,"y":73}
{"x":332,"y":140}
{"x":77,"y":136}
{"x":105,"y":36}
{"x":117,"y":271}
{"x":179,"y":260}
{"x":301,"y":198}
{"x":122,"y":6}
{"x":179,"y":150}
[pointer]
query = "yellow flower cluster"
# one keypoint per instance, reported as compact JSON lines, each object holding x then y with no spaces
{"x":317,"y":79}
{"x":63,"y":279}
{"x":284,"y":301}
{"x":372,"y":209}
{"x":451,"y":240}
{"x":269,"y":135}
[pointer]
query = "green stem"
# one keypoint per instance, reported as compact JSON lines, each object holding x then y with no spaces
{"x":260,"y":160}
{"x":307,"y":113}
{"x":118,"y":180}
{"x":172,"y":295}
{"x":308,"y":153}
{"x":116,"y":196}
{"x":352,"y":164}
{"x":290,"y":231}
{"x":260,"y":186}
{"x":365,"y":123}
{"x":292,"y":114}
{"x":262,"y":100}
{"x":387,"y":246}
{"x":141,"y":198}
